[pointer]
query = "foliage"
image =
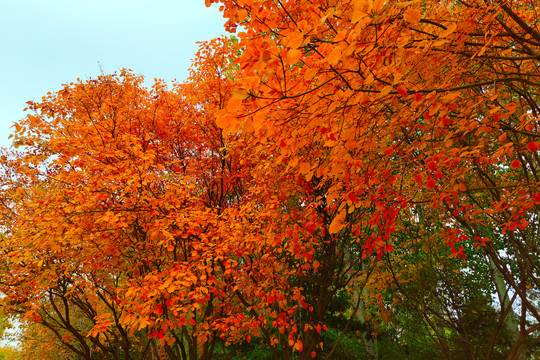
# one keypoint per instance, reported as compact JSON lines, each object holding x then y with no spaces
{"x":345,"y":172}
{"x":400,"y":104}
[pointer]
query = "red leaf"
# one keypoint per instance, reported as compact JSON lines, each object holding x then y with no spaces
{"x":401,"y":90}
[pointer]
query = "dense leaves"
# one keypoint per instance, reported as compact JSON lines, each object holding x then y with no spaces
{"x":397,"y":105}
{"x":368,"y":166}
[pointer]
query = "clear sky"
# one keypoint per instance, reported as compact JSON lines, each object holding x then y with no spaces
{"x":46,"y":43}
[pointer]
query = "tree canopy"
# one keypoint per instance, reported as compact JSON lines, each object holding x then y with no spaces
{"x":341,"y":170}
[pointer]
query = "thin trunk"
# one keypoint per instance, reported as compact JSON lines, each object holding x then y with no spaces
{"x":370,"y":341}
{"x":510,"y":321}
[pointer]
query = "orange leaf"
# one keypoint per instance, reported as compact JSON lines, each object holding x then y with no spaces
{"x":337,"y":224}
{"x":294,"y":40}
{"x":411,"y":16}
{"x":451,"y":28}
{"x":334,"y":57}
{"x":242,"y":15}
{"x":293,"y":55}
{"x":234,"y":104}
{"x":511,"y":108}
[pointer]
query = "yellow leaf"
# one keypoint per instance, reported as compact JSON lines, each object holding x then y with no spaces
{"x":240,"y":93}
{"x":167,"y":282}
{"x":259,"y":118}
{"x":369,"y":79}
{"x":223,"y":121}
{"x":248,"y":125}
{"x":310,"y":74}
{"x":252,"y":81}
{"x":494,"y":110}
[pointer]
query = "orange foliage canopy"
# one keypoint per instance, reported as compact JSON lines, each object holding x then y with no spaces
{"x":391,"y":99}
{"x":129,"y":205}
{"x":235,"y":202}
{"x":397,"y":104}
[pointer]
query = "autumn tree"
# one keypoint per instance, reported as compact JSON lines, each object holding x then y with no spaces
{"x":284,"y":172}
{"x":431,"y":103}
{"x":60,"y":269}
{"x":125,"y":208}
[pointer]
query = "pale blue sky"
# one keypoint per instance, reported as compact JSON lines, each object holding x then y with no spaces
{"x":46,"y":43}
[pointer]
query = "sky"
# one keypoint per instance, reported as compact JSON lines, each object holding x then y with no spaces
{"x":47,"y":43}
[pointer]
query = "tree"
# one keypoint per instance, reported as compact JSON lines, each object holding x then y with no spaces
{"x":125,"y":208}
{"x":416,"y":103}
{"x":441,"y":306}
{"x":282,"y":175}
